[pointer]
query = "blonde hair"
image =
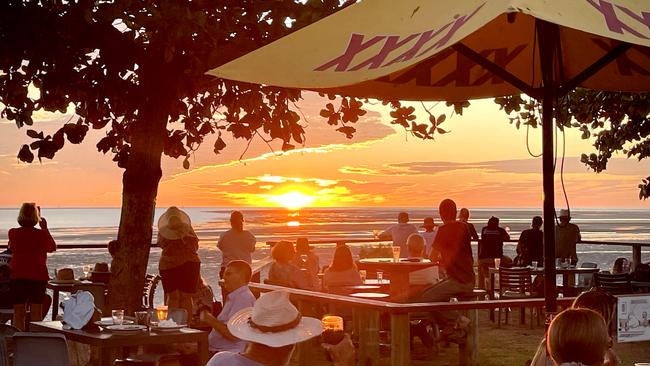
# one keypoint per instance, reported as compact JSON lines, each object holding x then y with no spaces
{"x":415,"y":244}
{"x":578,"y":335}
{"x":28,"y":215}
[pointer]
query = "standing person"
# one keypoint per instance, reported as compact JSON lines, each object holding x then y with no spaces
{"x":463,"y":216}
{"x":530,"y":246}
{"x":29,"y":247}
{"x":236,"y":278}
{"x":567,"y":235}
{"x":272,"y":327}
{"x":236,"y":243}
{"x":453,"y":250}
{"x":429,"y":234}
{"x":490,"y":247}
{"x":399,"y":233}
{"x":179,"y":266}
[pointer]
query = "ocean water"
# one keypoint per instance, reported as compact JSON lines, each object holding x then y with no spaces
{"x":99,"y":226}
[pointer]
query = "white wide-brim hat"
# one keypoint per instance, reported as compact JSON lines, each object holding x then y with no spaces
{"x":271,"y":322}
{"x":173,"y":229}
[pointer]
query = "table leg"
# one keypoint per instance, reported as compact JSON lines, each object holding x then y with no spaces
{"x":55,"y":303}
{"x":105,"y":356}
{"x":203,"y":349}
{"x":400,"y":340}
{"x":491,"y":293}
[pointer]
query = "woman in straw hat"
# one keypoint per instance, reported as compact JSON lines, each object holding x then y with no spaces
{"x":272,"y":327}
{"x":179,"y":264}
{"x":29,"y":247}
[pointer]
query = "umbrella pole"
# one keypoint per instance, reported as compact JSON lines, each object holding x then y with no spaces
{"x":548,"y":36}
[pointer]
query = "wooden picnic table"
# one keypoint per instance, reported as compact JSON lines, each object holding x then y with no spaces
{"x":398,"y":271}
{"x":107,"y":343}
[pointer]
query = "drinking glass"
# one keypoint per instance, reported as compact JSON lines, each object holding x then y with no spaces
{"x":363,"y":274}
{"x":453,"y":299}
{"x":497,"y":263}
{"x":161,"y":312}
{"x":118,"y":316}
{"x":375,"y":234}
{"x":380,"y":277}
{"x":534,"y":264}
{"x":87,"y":268}
{"x":396,"y":252}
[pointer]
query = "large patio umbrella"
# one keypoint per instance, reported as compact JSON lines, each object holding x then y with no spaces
{"x":457,"y":50}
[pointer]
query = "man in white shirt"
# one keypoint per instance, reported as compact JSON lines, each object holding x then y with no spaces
{"x":236,"y":278}
{"x":399,"y":233}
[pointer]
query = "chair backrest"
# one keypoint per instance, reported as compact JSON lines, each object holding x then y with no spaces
{"x":149,"y":290}
{"x":6,"y":344}
{"x":36,"y":349}
{"x":98,"y":290}
{"x":615,"y":284}
{"x":586,"y":279}
{"x":517,"y":280}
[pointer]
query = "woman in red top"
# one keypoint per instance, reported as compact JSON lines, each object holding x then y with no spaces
{"x":29,"y":247}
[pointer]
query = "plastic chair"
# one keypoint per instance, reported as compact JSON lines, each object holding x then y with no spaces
{"x":585,"y":280}
{"x":52,"y":349}
{"x":615,"y":284}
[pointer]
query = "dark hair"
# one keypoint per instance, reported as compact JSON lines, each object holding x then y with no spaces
{"x":537,"y":221}
{"x":493,"y":222}
{"x":447,"y":210}
{"x":302,"y":245}
{"x":403,"y":217}
{"x":578,"y":335}
{"x":342,"y":259}
{"x":237,"y":220}
{"x":283,"y":252}
{"x":597,"y":300}
{"x":243,"y":268}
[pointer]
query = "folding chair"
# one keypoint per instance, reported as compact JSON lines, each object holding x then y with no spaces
{"x":52,"y":349}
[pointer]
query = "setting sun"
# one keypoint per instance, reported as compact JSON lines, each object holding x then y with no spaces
{"x":293,"y":200}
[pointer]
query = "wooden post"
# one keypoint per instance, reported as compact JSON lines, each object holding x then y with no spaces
{"x":303,"y":348}
{"x":368,"y":322}
{"x":636,"y":256}
{"x":400,"y":340}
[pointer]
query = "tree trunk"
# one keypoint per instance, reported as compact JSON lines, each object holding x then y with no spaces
{"x":139,"y":190}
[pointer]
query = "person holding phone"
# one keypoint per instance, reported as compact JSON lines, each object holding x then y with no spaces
{"x":29,"y":275}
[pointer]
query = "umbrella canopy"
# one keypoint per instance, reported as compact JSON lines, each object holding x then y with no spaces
{"x":426,"y":50}
{"x":456,"y":50}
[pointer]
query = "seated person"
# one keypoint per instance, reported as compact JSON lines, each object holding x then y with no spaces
{"x":306,"y":259}
{"x":283,"y":272}
{"x":236,"y":278}
{"x":342,"y":271}
{"x":578,"y":337}
{"x":427,"y":276}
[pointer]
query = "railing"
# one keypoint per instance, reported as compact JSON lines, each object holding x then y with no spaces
{"x":367,"y":312}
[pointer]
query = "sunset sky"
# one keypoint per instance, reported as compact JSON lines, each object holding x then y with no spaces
{"x":482,"y":162}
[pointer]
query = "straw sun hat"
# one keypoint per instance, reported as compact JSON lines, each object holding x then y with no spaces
{"x":175,"y":224}
{"x":274,"y":322}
